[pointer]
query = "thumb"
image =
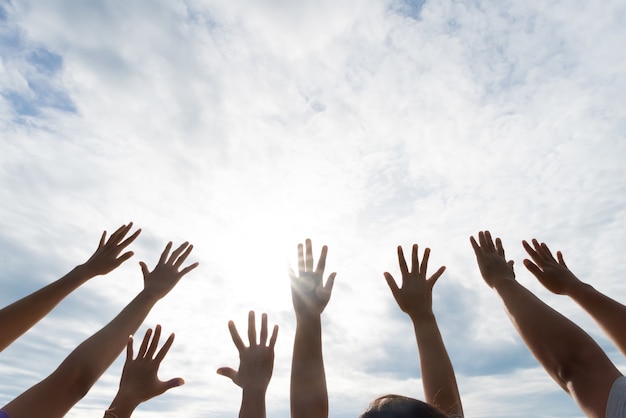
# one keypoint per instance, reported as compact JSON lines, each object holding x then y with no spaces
{"x":228,"y":372}
{"x":144,"y":269}
{"x":175,"y":382}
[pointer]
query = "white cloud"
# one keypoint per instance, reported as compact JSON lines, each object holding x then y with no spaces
{"x":245,"y":127}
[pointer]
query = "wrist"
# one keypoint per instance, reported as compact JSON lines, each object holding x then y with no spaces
{"x":579,"y":289}
{"x":425,"y":316}
{"x":121,"y":407}
{"x":308,"y":318}
{"x":84,"y":272}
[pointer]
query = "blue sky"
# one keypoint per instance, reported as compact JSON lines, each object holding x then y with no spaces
{"x":246,"y":127}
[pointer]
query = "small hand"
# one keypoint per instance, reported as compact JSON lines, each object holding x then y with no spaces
{"x":491,"y":259}
{"x":105,"y":258}
{"x":256,"y":362}
{"x":415,"y":297}
{"x":553,"y":274}
{"x":165,"y":275}
{"x":308,"y":292}
{"x":139,"y":380}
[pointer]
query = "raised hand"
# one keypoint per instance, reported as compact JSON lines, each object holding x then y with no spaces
{"x":107,"y":256}
{"x":256,"y":362}
{"x":166,"y":274}
{"x":308,"y":292}
{"x":553,"y":274}
{"x":139,"y":381}
{"x":491,"y":259}
{"x":415,"y":296}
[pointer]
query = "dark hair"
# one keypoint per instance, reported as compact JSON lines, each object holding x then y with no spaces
{"x":397,"y":406}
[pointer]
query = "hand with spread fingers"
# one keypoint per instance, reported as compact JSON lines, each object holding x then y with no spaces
{"x":139,"y":381}
{"x":22,"y":314}
{"x":491,"y":259}
{"x":107,"y":256}
{"x":414,"y":297}
{"x":308,"y":292}
{"x":256,"y":363}
{"x":166,"y":274}
{"x":553,"y":274}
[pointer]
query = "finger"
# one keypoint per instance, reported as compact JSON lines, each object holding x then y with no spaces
{"x":129,"y":349}
{"x":309,"y":255}
{"x":538,"y":251}
{"x":124,"y":257}
{"x":173,"y":383}
{"x":392,"y":284}
{"x":155,"y":342}
{"x":165,"y":253}
{"x":475,"y":246}
{"x":166,"y":347}
{"x":251,"y":329}
{"x":500,"y":248}
{"x":273,"y":337}
{"x":235,"y":336}
{"x":103,"y":239}
{"x":414,"y":259}
{"x":533,"y":268}
{"x":424,"y":265}
{"x":144,"y":343}
{"x":321,"y":264}
{"x":402,"y":262}
{"x":177,"y":252}
{"x":300,"y":258}
{"x":228,"y":372}
{"x":263,"y":336}
{"x":130,"y":239}
{"x":489,"y":241}
{"x":433,"y":279}
{"x":330,"y":282}
{"x":531,"y":252}
{"x":115,"y":236}
{"x":292,"y":274}
{"x":144,"y":269}
{"x":559,"y":255}
{"x":547,"y":252}
{"x":183,"y":257}
{"x":188,"y":269}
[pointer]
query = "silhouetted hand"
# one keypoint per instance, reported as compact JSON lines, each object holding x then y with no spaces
{"x":107,"y":256}
{"x":139,"y":380}
{"x":165,"y":275}
{"x":415,"y":296}
{"x":256,"y":362}
{"x":553,"y":274}
{"x":491,"y":259}
{"x":308,"y":292}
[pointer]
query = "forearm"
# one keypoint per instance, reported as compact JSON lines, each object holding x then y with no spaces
{"x":608,"y":313}
{"x":91,"y":358}
{"x":21,"y":315}
{"x":439,"y":381}
{"x":309,"y":397}
{"x":569,"y":355}
{"x":252,"y":404}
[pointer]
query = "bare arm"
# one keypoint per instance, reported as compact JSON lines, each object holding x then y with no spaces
{"x":139,"y":381}
{"x":557,"y":278}
{"x":256,"y":363}
{"x":308,"y":395}
{"x":569,"y":355}
{"x":415,"y":298}
{"x":21,"y":315}
{"x":56,"y":394}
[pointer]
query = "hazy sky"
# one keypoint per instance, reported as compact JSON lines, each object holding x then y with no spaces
{"x":247,"y":126}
